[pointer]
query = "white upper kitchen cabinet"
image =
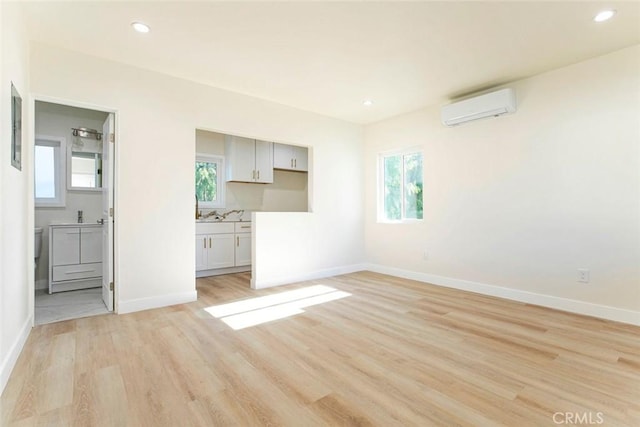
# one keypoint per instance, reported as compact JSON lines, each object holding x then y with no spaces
{"x":290,"y":157}
{"x":264,"y":161}
{"x":248,"y":160}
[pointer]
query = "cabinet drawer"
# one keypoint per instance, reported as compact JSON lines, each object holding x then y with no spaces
{"x":77,"y":271}
{"x":214,"y":227}
{"x":243,"y":227}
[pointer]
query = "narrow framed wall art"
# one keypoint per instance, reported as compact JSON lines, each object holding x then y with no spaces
{"x":16,"y":128}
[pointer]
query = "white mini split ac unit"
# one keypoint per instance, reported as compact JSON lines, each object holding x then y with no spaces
{"x":492,"y":104}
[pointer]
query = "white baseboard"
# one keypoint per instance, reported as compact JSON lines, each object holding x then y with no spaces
{"x":156,"y":302}
{"x":42,"y":284}
{"x":221,"y":271}
{"x":564,"y":304}
{"x":14,"y":352}
{"x":313,"y":275}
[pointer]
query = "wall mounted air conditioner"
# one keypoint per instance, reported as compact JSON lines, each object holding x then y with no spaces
{"x":492,"y":104}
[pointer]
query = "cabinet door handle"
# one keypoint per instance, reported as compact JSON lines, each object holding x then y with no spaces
{"x":291,"y":162}
{"x":209,"y":242}
{"x":253,"y":175}
{"x":78,"y":271}
{"x":205,"y":242}
{"x":238,"y":241}
{"x":295,"y":163}
{"x":258,"y":174}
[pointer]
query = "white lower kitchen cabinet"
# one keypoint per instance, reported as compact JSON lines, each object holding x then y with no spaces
{"x":214,"y":245}
{"x":222,"y":247}
{"x":243,"y":244}
{"x":221,"y":251}
{"x":214,"y":251}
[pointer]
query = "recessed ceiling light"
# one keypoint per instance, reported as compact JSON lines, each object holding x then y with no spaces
{"x":367,"y":103}
{"x":605,"y":15}
{"x":140,"y":27}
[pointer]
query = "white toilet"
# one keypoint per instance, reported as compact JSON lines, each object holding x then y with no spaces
{"x":37,"y":247}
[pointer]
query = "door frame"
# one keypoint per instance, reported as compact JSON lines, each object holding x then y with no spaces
{"x":35,"y":97}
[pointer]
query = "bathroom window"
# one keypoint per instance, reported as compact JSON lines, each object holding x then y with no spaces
{"x":49,"y":175}
{"x":400,"y":186}
{"x":210,"y":181}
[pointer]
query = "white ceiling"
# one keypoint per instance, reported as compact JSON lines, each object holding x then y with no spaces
{"x":328,"y":57}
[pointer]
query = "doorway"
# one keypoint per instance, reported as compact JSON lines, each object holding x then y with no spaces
{"x":74,"y":170}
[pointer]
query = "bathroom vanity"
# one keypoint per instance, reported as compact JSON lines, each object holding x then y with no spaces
{"x":75,"y":256}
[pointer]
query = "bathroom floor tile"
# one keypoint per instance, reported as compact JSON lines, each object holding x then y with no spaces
{"x":68,"y":305}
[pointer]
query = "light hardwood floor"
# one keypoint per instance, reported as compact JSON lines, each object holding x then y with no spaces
{"x":394,"y":352}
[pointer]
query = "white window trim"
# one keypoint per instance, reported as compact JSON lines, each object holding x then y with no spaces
{"x":380,"y":183}
{"x":60,"y":171}
{"x":220,"y":184}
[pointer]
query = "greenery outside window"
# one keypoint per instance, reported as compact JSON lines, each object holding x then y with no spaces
{"x":210,"y":181}
{"x":400,"y":186}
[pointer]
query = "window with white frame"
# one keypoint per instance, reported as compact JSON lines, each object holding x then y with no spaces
{"x":210,"y":181}
{"x":400,"y":186}
{"x":49,"y":172}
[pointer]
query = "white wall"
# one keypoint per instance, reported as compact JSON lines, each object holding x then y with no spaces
{"x":155,"y":149}
{"x":57,"y":120}
{"x":287,"y":193}
{"x":16,"y":216}
{"x":523,"y":201}
{"x":291,"y":247}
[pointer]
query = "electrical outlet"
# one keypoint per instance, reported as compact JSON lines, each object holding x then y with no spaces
{"x":425,"y":255}
{"x":583,"y":275}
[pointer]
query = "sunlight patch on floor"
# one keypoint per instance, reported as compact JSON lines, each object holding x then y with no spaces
{"x":259,"y":310}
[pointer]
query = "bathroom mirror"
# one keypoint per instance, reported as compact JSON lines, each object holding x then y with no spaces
{"x":84,"y":171}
